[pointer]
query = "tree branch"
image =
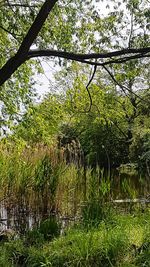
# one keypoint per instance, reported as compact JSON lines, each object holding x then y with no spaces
{"x":11,"y":33}
{"x":124,"y":87}
{"x":21,"y":56}
{"x":87,"y":87}
{"x":73,"y":56}
{"x":83,"y":58}
{"x":20,"y":5}
{"x":24,"y":53}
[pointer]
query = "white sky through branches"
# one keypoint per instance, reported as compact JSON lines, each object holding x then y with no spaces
{"x":46,"y":81}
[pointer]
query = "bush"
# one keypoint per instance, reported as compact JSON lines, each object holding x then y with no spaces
{"x":140,"y":151}
{"x":15,"y":254}
{"x":92,"y":213}
{"x":34,"y":238}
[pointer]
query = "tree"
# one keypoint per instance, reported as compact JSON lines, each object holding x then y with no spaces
{"x":58,"y":29}
{"x":24,"y":52}
{"x":107,"y":123}
{"x":40,"y":124}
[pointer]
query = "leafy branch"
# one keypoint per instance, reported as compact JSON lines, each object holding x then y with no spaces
{"x":24,"y":52}
{"x":9,"y":32}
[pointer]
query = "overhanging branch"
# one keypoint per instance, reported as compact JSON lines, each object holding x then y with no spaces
{"x":87,"y":87}
{"x":116,"y":57}
{"x":136,"y":53}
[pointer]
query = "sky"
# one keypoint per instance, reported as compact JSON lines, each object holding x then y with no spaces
{"x":46,"y":80}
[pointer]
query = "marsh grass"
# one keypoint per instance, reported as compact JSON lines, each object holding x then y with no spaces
{"x":36,"y":182}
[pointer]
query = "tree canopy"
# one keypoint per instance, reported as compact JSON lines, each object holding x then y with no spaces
{"x":112,"y":37}
{"x":73,"y":30}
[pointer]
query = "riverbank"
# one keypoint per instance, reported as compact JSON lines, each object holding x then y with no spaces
{"x":118,"y":240}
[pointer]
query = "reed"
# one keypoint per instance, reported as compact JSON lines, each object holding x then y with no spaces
{"x":36,"y":182}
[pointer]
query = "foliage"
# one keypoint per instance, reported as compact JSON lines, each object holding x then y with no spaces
{"x":72,"y":27}
{"x":41,"y":122}
{"x":50,"y":228}
{"x":106,"y":122}
{"x":140,"y":150}
{"x":57,"y":156}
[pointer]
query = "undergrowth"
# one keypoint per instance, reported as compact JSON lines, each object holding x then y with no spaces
{"x":123,"y":241}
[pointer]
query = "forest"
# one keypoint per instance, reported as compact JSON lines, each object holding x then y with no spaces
{"x":75,"y":154}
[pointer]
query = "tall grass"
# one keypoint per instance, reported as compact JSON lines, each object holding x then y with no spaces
{"x":36,"y":182}
{"x":29,"y":179}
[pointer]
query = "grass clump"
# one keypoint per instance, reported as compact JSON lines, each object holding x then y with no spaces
{"x":46,"y":231}
{"x":13,"y":253}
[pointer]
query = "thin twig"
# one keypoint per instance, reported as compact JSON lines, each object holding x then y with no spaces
{"x":11,"y":33}
{"x":131,"y":30}
{"x":10,"y":6}
{"x":20,"y":5}
{"x":124,"y":87}
{"x":87,"y":87}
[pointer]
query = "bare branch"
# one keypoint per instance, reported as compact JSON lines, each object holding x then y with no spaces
{"x":73,"y":56}
{"x":87,"y":87}
{"x":83,"y":57}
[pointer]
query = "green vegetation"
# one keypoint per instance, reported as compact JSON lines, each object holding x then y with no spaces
{"x":123,"y":240}
{"x":74,"y":27}
{"x":38,"y":181}
{"x":75,"y":165}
